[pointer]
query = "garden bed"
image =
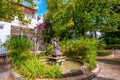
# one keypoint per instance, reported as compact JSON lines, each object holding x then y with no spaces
{"x":88,"y":76}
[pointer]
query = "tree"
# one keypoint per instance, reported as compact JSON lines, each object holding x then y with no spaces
{"x":32,"y":4}
{"x":67,"y":17}
{"x":9,"y":9}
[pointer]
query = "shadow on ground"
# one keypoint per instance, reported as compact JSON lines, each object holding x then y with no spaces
{"x":102,"y":78}
{"x":3,"y":70}
{"x":109,"y":61}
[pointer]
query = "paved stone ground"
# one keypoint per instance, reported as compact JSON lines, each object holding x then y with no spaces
{"x":4,"y":74}
{"x":108,"y":71}
{"x":5,"y":70}
{"x":110,"y":68}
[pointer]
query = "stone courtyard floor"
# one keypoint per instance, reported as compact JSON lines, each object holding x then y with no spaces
{"x":110,"y":68}
{"x":5,"y":71}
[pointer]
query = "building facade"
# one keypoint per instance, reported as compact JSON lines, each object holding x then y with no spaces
{"x":17,"y":27}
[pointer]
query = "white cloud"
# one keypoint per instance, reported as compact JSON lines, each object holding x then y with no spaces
{"x":36,"y":7}
{"x":37,"y":1}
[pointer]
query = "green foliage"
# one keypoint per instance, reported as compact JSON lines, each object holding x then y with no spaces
{"x":18,"y":47}
{"x":67,"y":17}
{"x":49,"y":50}
{"x":104,"y":52}
{"x":101,"y":45}
{"x":26,"y":64}
{"x":84,"y":47}
{"x":112,"y":41}
{"x":32,"y":4}
{"x":116,"y":46}
{"x":112,"y":37}
{"x":32,"y":68}
{"x":8,"y":9}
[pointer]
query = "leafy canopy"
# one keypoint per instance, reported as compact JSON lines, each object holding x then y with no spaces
{"x":9,"y":9}
{"x":69,"y":17}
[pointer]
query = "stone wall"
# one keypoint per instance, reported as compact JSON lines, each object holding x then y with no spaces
{"x":31,"y":35}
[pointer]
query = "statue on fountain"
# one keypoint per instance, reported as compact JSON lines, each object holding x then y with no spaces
{"x":56,"y":51}
{"x":56,"y":54}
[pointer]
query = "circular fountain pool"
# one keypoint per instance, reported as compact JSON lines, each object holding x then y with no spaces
{"x":69,"y":65}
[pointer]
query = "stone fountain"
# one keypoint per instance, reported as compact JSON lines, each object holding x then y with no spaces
{"x":56,"y":57}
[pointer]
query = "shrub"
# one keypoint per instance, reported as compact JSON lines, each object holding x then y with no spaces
{"x":26,"y":64}
{"x":49,"y":50}
{"x":104,"y":52}
{"x":84,"y":47}
{"x":101,"y":44}
{"x":32,"y":68}
{"x":18,"y":48}
{"x":117,"y":46}
{"x":112,"y":37}
{"x":78,"y":47}
{"x":112,"y":41}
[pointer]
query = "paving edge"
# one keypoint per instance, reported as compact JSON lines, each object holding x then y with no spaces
{"x":89,"y":75}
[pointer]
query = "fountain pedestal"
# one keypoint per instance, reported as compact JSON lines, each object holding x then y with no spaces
{"x":58,"y":60}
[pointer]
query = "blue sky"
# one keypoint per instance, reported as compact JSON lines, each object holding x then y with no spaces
{"x":41,"y":8}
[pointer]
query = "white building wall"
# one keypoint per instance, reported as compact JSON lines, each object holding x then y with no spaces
{"x":5,"y":32}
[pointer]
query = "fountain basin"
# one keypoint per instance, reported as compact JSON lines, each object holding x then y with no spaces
{"x":76,"y":73}
{"x":70,"y":67}
{"x":73,"y":68}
